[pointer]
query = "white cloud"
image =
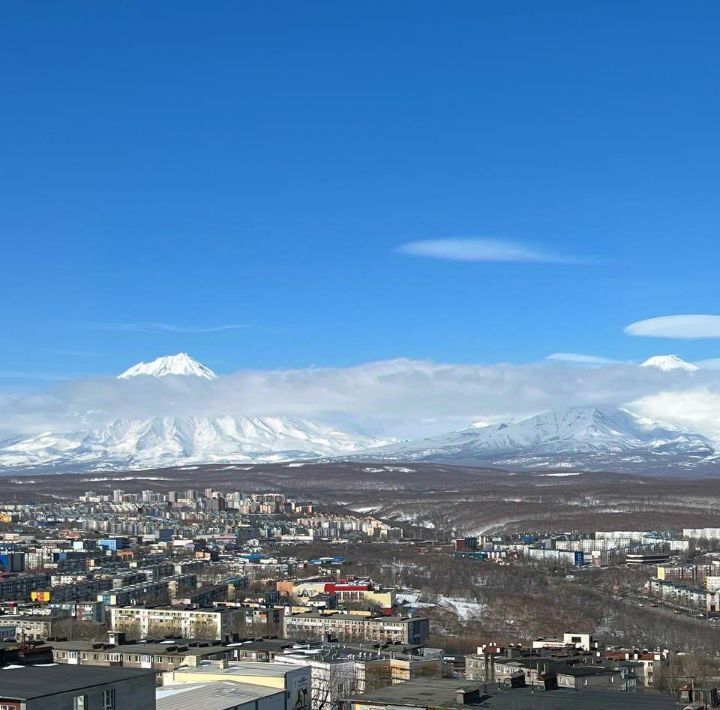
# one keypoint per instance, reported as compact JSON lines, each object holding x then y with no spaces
{"x":475,"y":249}
{"x":169,"y":327}
{"x":405,"y":398}
{"x":696,"y":409}
{"x":684,"y":327}
{"x":710,"y":364}
{"x":580,"y":359}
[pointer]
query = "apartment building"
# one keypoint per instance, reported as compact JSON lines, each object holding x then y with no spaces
{"x":29,"y":628}
{"x":347,"y":591}
{"x":351,"y":627}
{"x":158,"y":656}
{"x":17,"y":587}
{"x":704,"y":600}
{"x":81,"y":591}
{"x":339,"y":670}
{"x":146,"y":622}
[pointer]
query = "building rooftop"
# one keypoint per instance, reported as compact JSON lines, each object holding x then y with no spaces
{"x":26,"y":682}
{"x":255,"y":668}
{"x":442,"y":693}
{"x":211,"y":696}
{"x":167,"y":607}
{"x":10,"y":619}
{"x":180,"y":647}
{"x":355,"y":617}
{"x":263,"y":645}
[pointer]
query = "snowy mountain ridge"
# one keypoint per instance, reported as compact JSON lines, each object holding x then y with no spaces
{"x":171,"y":441}
{"x":583,"y":437}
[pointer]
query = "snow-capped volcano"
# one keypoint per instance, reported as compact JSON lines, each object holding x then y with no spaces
{"x":180,"y":364}
{"x":667,"y":363}
{"x":586,"y":438}
{"x":169,"y":441}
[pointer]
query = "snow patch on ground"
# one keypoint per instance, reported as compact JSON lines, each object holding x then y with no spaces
{"x":365,"y":509}
{"x":465,"y":610}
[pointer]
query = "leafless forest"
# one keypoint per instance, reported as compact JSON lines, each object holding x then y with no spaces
{"x":440,"y":500}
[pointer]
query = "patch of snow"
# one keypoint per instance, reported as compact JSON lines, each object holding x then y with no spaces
{"x":465,"y":610}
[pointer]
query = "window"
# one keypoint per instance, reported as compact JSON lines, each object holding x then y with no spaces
{"x":109,"y":699}
{"x":79,"y":702}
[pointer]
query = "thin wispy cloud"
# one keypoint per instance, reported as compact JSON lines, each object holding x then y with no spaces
{"x":682,"y":327}
{"x":492,"y":250}
{"x":159,"y":328}
{"x":580,"y":359}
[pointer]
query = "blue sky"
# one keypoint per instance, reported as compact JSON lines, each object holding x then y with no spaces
{"x":283,"y":184}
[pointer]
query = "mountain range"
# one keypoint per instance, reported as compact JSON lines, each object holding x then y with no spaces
{"x":170,"y":441}
{"x":577,"y":438}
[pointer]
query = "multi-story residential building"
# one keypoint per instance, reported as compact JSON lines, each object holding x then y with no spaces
{"x":160,"y":657}
{"x":693,"y":573}
{"x":93,"y":612}
{"x":146,"y":622}
{"x":134,"y":594}
{"x":352,"y":627}
{"x":29,"y":628}
{"x":338,"y":670}
{"x":701,"y":533}
{"x":83,"y":590}
{"x":647,"y":664}
{"x":704,"y":600}
{"x":352,"y":590}
{"x":17,"y":587}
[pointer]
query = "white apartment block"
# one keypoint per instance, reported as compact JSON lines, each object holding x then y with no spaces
{"x":146,"y":622}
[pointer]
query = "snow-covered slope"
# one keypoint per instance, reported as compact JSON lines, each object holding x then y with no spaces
{"x":586,"y":438}
{"x":167,"y":441}
{"x":667,"y":363}
{"x":181,"y":364}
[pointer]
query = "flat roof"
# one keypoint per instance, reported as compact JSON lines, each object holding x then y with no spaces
{"x":169,"y":647}
{"x":441,"y":693}
{"x":38,"y":681}
{"x":256,"y":668}
{"x":168,"y":607}
{"x":6,"y":619}
{"x":264,"y":645}
{"x":354,"y":617}
{"x":216,"y":695}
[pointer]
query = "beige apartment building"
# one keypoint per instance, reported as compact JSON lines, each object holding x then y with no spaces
{"x":148,"y":622}
{"x":352,"y":627}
